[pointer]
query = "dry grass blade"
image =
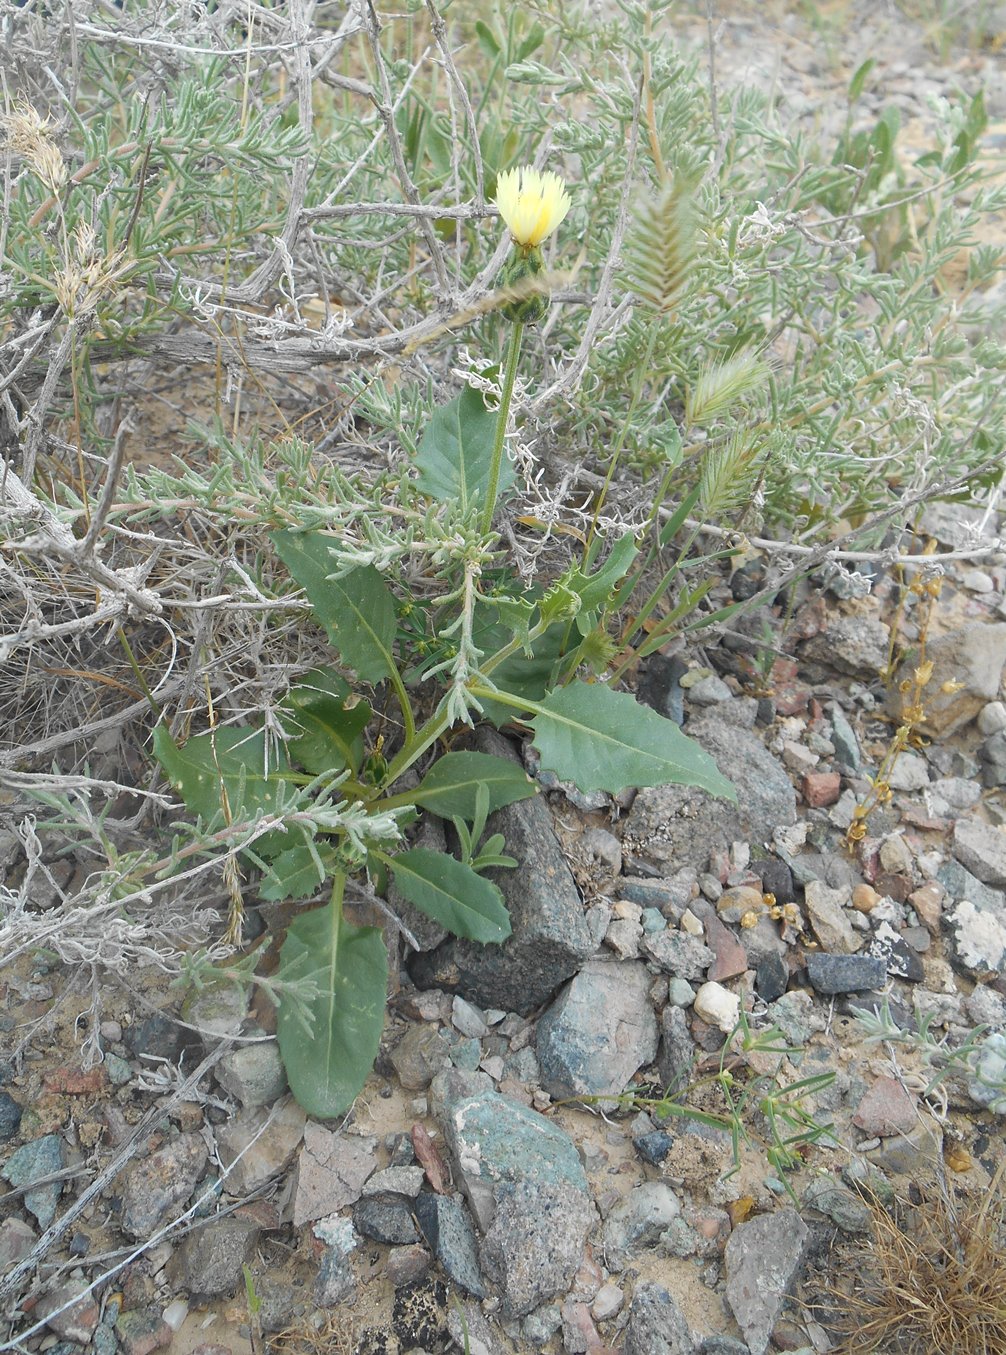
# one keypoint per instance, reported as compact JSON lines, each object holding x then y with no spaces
{"x":934,"y":1280}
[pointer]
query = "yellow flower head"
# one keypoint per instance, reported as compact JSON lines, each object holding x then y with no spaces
{"x":532,"y":204}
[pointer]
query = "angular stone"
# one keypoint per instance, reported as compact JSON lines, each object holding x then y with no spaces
{"x":731,"y":957}
{"x":825,"y":908}
{"x":550,"y":938}
{"x":961,"y":884}
{"x":447,"y":1227}
{"x":887,"y":1108}
{"x":534,"y":1244}
{"x":656,"y":1324}
{"x":152,"y":1189}
{"x":16,"y":1241}
{"x":598,"y":1032}
{"x":972,"y":656}
{"x":820,"y":789}
{"x":418,"y":1057}
{"x":845,"y":973}
{"x":257,"y":1144}
{"x":253,"y":1074}
{"x":978,"y":939}
{"x":900,"y":960}
{"x":336,"y":1279}
{"x":39,"y":1158}
{"x":672,"y":826}
{"x":406,"y":1266}
{"x":717,"y":1006}
{"x":141,"y":1331}
{"x":208,"y":1262}
{"x":763,"y":1259}
{"x":10,"y":1117}
{"x":385,"y":1218}
{"x":981,"y":849}
{"x":679,"y":954}
{"x":331,"y":1172}
{"x":71,"y":1321}
{"x":676,"y":1052}
{"x":637,"y":1221}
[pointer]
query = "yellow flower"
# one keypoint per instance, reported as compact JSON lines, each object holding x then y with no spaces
{"x":532,"y":204}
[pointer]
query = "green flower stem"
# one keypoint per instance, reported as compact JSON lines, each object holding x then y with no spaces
{"x":509,"y":376}
{"x":404,"y":704}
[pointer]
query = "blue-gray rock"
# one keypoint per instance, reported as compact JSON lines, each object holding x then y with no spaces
{"x":671,"y":895}
{"x":671,"y":826}
{"x":796,"y":1017}
{"x":159,"y":1036}
{"x":336,"y":1280}
{"x":845,"y":973}
{"x":763,"y":1259}
{"x":494,"y":1140}
{"x":854,"y":645}
{"x":550,"y":939}
{"x":723,"y":1345}
{"x":118,"y":1070}
{"x":209,"y":1261}
{"x":679,"y":953}
{"x":961,"y":884}
{"x":385,"y":1218}
{"x":104,"y":1340}
{"x":846,"y":1209}
{"x":534,"y":1244}
{"x":843,"y":736}
{"x":660,"y":686}
{"x":10,"y":1117}
{"x":987,"y":1085}
{"x":598,"y":1032}
{"x":992,"y":756}
{"x":637,"y":1221}
{"x":41,"y":1157}
{"x":448,"y":1229}
{"x":656,"y":1324}
{"x":981,"y":849}
{"x":654,"y":1146}
{"x":777,"y":879}
{"x":977,"y":939}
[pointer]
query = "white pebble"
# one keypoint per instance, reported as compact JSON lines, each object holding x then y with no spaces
{"x":992,"y":718}
{"x":717,"y":1006}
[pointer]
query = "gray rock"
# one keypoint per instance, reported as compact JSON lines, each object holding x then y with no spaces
{"x":408,"y":1266}
{"x":987,"y":1085}
{"x":992,"y":756}
{"x":949,"y":796}
{"x":418,"y":1057}
{"x":845,"y":973}
{"x":909,"y":773}
{"x":467,"y":1019}
{"x":637,"y":1221}
{"x":385,"y":1218}
{"x":977,"y":939}
{"x":973,"y":656}
{"x":917,"y":1154}
{"x":992,"y":718}
{"x":208,"y":1262}
{"x":656,"y":1324}
{"x":671,"y":826}
{"x":654,"y":1146}
{"x":38,"y":1158}
{"x":407,"y":1181}
{"x":103,"y":1340}
{"x":986,"y":1007}
{"x":709,"y":691}
{"x":679,"y":954}
{"x":676,"y":1051}
{"x":855,"y":645}
{"x":763,"y":1258}
{"x":598,"y":1032}
{"x":797,"y":1017}
{"x":541,"y":1326}
{"x":10,"y":1117}
{"x":961,"y":884}
{"x":981,"y":849}
{"x":140,"y":1331}
{"x":159,"y":1037}
{"x":723,"y":1345}
{"x":447,"y":1227}
{"x":844,"y":1207}
{"x":771,"y":977}
{"x":336,"y":1281}
{"x":253,"y":1074}
{"x":494,"y":1140}
{"x":831,"y":924}
{"x":900,"y":960}
{"x":216,"y":1012}
{"x":257,"y":1144}
{"x":550,"y":938}
{"x":331,"y":1172}
{"x":16,"y":1241}
{"x":153,"y":1189}
{"x":71,"y":1321}
{"x":534,"y":1244}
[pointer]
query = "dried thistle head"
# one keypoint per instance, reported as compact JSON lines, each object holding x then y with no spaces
{"x":660,"y":247}
{"x":29,"y":134}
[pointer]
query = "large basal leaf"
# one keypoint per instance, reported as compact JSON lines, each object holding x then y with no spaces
{"x":605,"y":740}
{"x":349,"y":965}
{"x":450,"y":786}
{"x":325,"y":720}
{"x":295,"y":874}
{"x":357,"y":609}
{"x":223,"y":774}
{"x":455,"y":451}
{"x":451,"y":893}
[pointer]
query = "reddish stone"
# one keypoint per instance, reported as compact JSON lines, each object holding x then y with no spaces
{"x":896,"y":887}
{"x":141,"y":1331}
{"x":928,"y":903}
{"x":918,"y":818}
{"x":821,"y":788}
{"x":790,"y":698}
{"x":576,"y":1318}
{"x":731,"y":957}
{"x":75,"y":1082}
{"x":887,"y":1108}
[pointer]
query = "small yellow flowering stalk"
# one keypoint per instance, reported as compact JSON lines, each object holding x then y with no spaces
{"x":532,"y":202}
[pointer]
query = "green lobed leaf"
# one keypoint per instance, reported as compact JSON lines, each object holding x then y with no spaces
{"x":295,"y":874}
{"x":452,"y":894}
{"x":227,"y":764}
{"x":325,"y":720}
{"x":357,"y":610}
{"x":450,"y":786}
{"x":605,"y":740}
{"x":328,"y":1067}
{"x":455,"y":452}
